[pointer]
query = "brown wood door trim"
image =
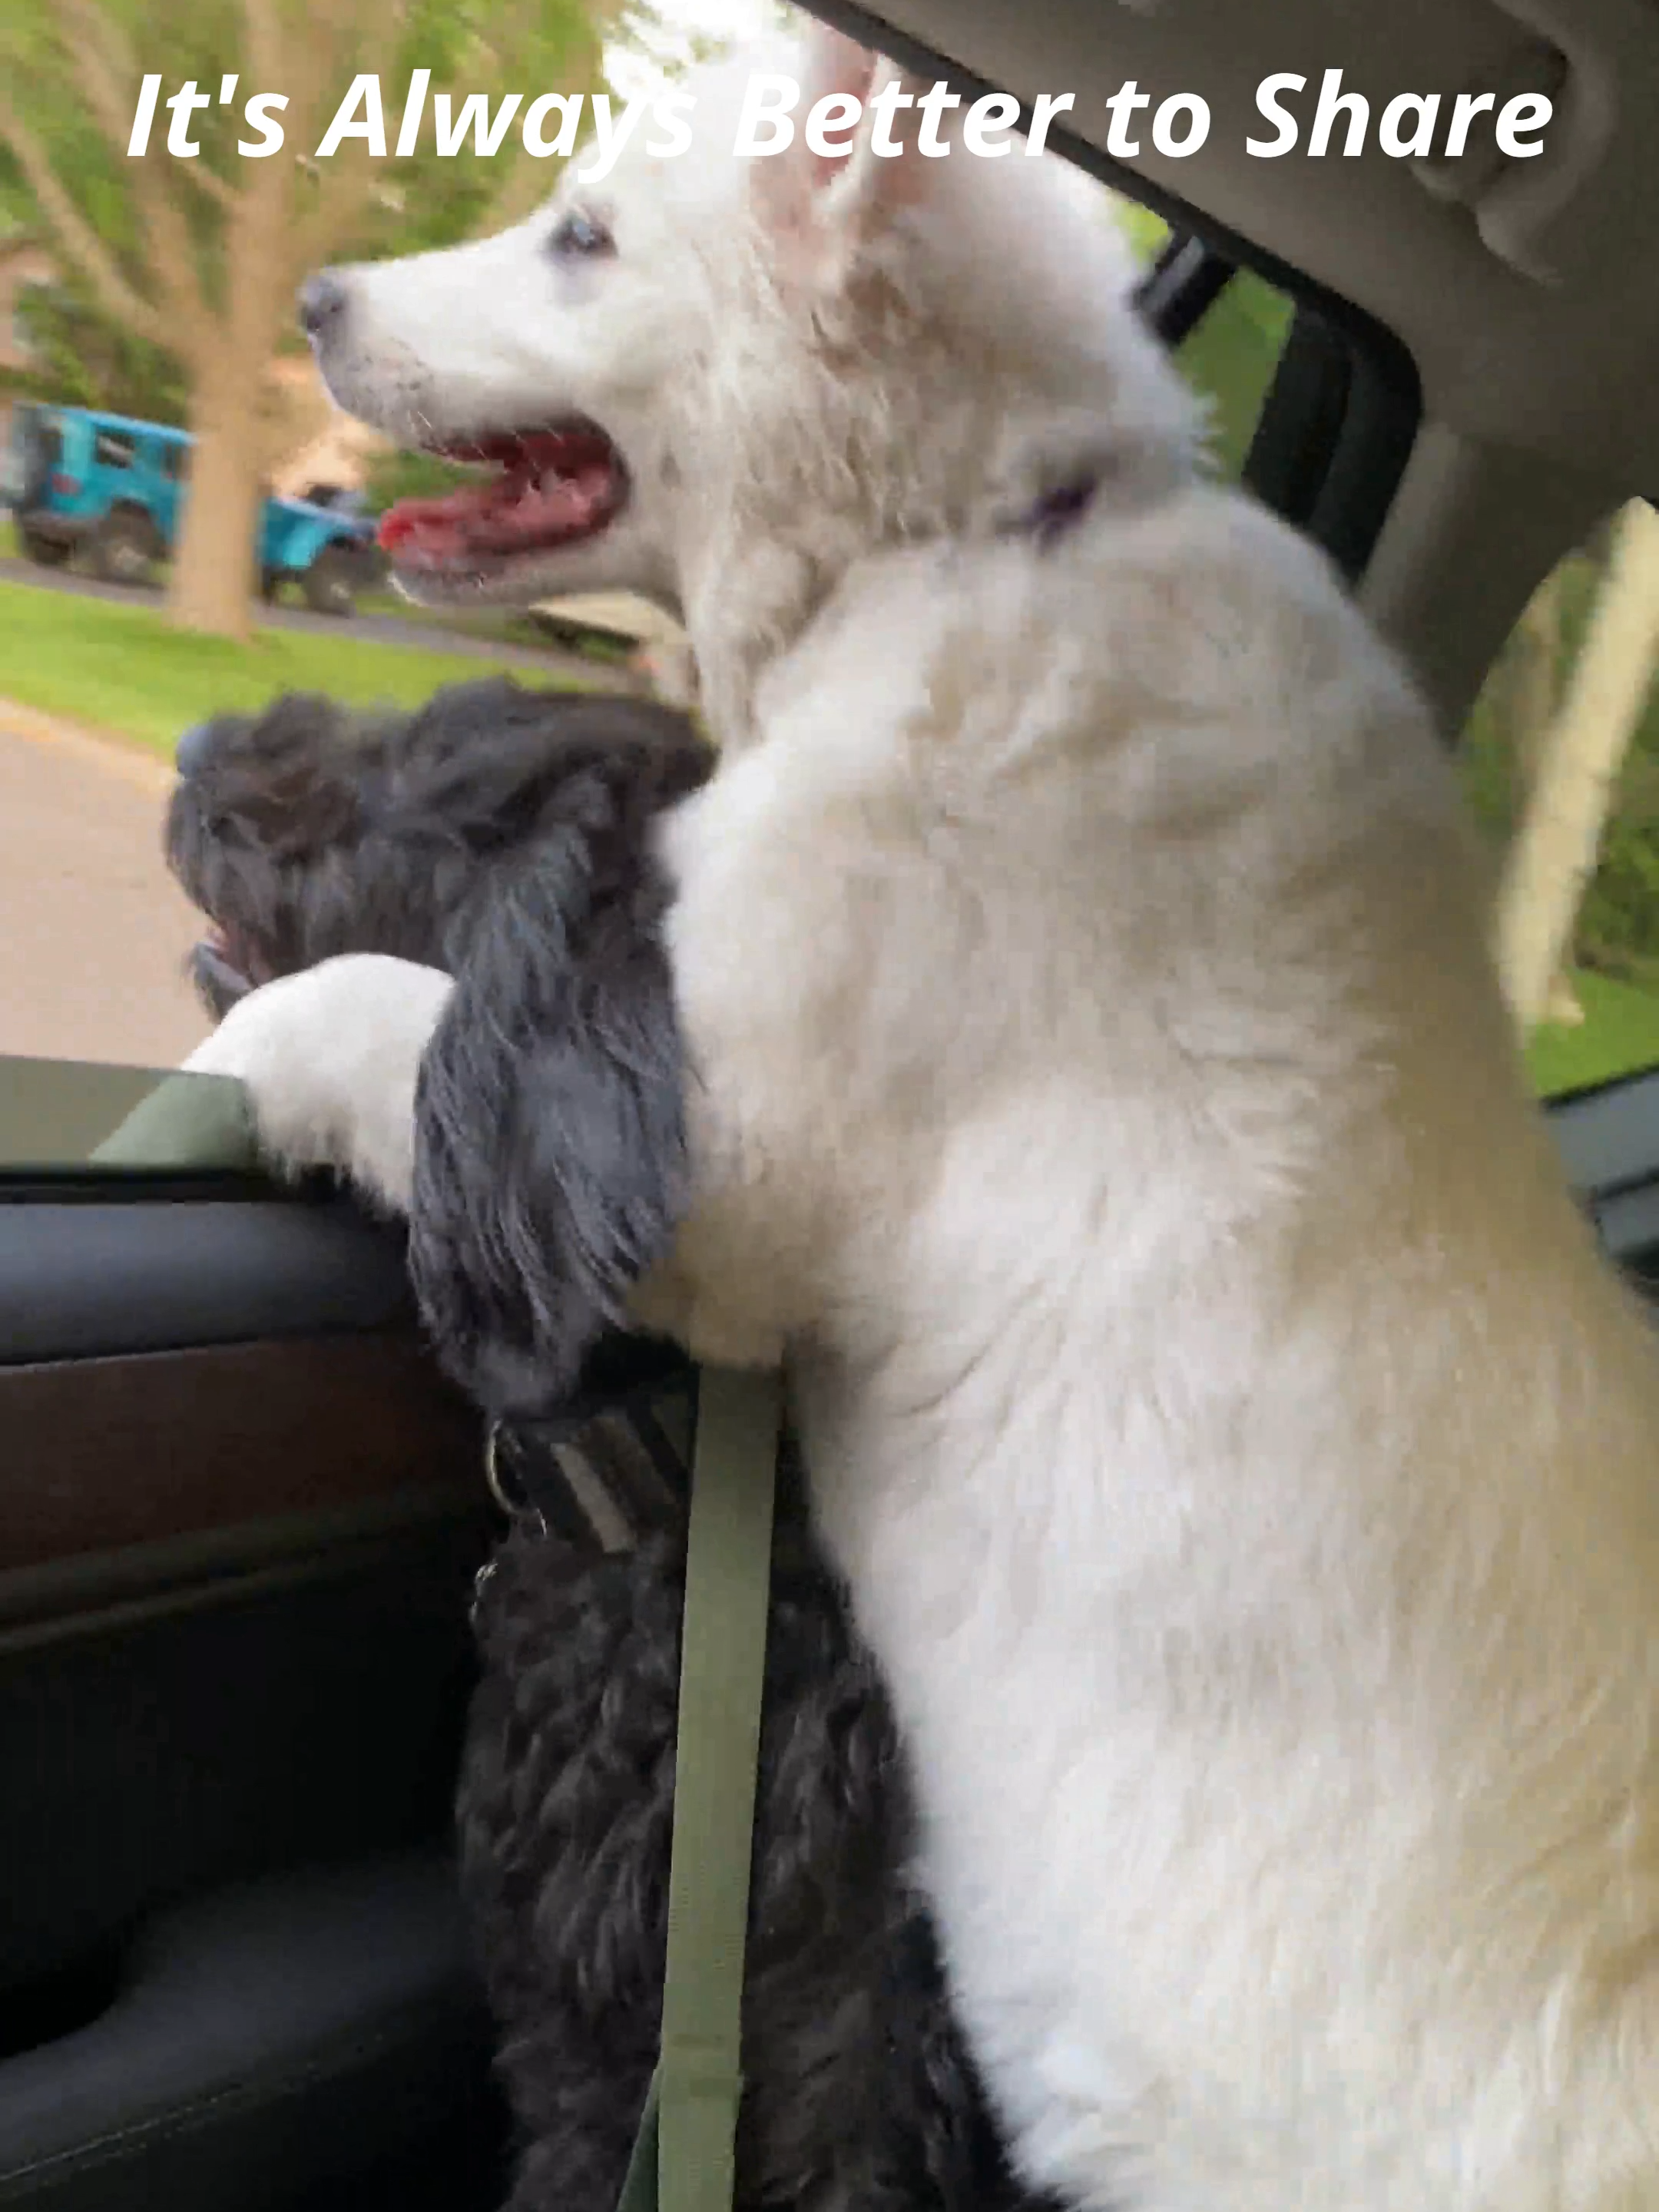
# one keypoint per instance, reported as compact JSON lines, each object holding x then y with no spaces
{"x":97,"y":1455}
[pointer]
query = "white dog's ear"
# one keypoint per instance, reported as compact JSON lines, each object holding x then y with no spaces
{"x":823,"y":209}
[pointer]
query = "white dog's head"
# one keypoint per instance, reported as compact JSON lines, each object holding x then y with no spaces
{"x":718,"y":379}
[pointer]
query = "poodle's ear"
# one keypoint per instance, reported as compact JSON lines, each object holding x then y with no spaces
{"x":824,"y":209}
{"x":550,"y":1168}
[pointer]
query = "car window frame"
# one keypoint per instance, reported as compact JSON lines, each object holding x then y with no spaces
{"x":100,"y":457}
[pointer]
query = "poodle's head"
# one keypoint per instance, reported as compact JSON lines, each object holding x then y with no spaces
{"x":307,"y":830}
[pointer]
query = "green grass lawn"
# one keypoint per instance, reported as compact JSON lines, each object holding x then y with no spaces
{"x":122,"y":669}
{"x":1620,"y":1035}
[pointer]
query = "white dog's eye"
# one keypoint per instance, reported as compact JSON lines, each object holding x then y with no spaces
{"x":580,"y":233}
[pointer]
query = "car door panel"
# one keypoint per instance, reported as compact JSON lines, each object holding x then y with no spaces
{"x":239,"y":1515}
{"x":327,"y":2012}
{"x":210,"y":1435}
{"x":83,"y":1275}
{"x":1609,"y":1143}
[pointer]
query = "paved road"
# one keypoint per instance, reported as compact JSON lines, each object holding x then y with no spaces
{"x":381,"y":629}
{"x":93,"y":930}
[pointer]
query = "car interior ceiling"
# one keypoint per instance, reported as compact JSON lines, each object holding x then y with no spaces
{"x":242,"y":1512}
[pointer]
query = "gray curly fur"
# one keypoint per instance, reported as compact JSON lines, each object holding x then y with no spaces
{"x":860,"y":2092}
{"x":506,"y":835}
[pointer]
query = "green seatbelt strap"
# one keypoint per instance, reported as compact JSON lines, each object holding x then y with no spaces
{"x":684,"y":2156}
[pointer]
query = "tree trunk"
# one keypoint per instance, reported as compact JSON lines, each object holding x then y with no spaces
{"x":1534,"y":689}
{"x":214,"y":560}
{"x":1532,"y":698}
{"x":1553,"y":854}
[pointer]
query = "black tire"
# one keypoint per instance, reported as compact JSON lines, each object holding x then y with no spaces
{"x":330,"y":583}
{"x":123,"y":549}
{"x":270,"y":584}
{"x":44,"y":552}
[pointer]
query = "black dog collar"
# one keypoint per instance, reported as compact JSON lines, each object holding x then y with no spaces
{"x":1060,"y":509}
{"x":606,"y":1486}
{"x":1057,"y":510}
{"x":612,"y":1466}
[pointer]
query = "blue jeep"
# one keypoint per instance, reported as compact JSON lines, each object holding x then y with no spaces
{"x":78,"y":481}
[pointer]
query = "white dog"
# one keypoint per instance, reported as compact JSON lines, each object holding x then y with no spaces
{"x":1244,"y":1466}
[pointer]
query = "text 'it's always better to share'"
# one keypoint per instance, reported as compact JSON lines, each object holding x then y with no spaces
{"x":1410,"y":124}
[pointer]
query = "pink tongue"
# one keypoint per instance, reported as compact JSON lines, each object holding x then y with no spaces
{"x":432,"y":534}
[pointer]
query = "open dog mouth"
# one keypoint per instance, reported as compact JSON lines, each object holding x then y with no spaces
{"x":225,"y":968}
{"x":549,"y":489}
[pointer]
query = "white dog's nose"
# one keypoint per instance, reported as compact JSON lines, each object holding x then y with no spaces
{"x":322,"y":303}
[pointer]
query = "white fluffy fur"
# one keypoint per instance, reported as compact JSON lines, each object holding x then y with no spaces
{"x":763,"y":468}
{"x":329,"y":1058}
{"x":1244,"y":1467}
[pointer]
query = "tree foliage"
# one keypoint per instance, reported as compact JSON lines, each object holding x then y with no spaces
{"x":1617,"y":932}
{"x":198,"y":259}
{"x":81,"y":356}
